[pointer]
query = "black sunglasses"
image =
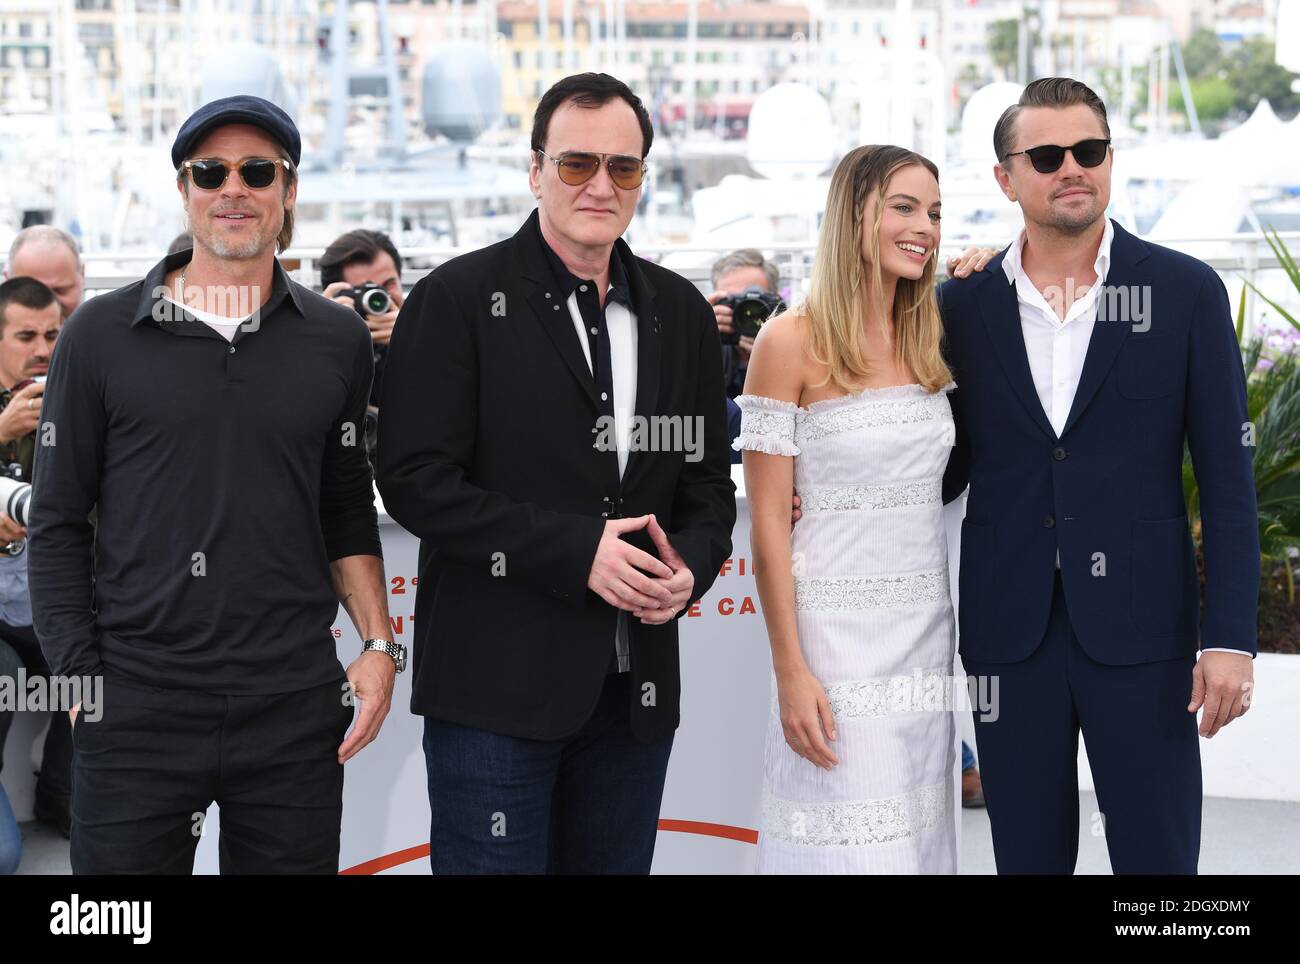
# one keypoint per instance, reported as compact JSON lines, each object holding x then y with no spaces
{"x":579,"y":167}
{"x":256,"y":172}
{"x":1049,"y":158}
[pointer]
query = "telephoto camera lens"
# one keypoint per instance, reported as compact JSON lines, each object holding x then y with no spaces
{"x":14,"y":496}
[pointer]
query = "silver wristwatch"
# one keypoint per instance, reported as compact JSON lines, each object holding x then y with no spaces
{"x":396,"y":650}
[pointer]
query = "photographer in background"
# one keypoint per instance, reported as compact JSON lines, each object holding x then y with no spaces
{"x":30,"y":318}
{"x":53,"y":258}
{"x":362,"y":269}
{"x":746,"y":294}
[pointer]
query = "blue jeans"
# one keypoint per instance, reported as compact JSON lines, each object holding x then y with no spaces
{"x":11,"y":838}
{"x":18,"y":647}
{"x":967,"y":757}
{"x":587,"y":804}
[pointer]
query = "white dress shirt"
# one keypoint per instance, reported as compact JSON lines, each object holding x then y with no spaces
{"x":622,"y":350}
{"x":1056,"y":348}
{"x":621,"y":324}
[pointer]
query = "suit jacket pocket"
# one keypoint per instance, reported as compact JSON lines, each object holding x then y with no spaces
{"x":1160,"y":562}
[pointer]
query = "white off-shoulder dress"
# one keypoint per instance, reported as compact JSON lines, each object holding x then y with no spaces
{"x":875,"y":625}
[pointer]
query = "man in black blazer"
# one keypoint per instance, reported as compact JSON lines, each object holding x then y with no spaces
{"x":555,"y":434}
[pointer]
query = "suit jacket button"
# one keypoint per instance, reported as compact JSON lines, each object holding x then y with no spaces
{"x":1048,"y":522}
{"x":1059,"y":454}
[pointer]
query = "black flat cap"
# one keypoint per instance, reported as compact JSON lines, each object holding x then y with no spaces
{"x":240,"y":109}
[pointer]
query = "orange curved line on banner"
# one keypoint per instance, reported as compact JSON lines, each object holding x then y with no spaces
{"x":388,"y":861}
{"x":742,"y":834}
{"x":399,"y":857}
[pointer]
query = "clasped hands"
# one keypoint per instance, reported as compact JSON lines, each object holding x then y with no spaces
{"x":628,"y":578}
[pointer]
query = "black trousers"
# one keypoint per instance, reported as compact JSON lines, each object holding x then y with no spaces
{"x":145,"y":772}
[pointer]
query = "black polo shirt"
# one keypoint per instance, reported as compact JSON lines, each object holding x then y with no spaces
{"x":227,"y":475}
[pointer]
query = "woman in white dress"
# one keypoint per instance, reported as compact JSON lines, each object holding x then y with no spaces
{"x":846,"y":402}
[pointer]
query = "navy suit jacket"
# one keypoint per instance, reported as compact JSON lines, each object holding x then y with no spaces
{"x":1107,"y":493}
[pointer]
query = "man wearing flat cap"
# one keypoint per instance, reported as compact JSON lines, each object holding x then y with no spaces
{"x":212,"y":415}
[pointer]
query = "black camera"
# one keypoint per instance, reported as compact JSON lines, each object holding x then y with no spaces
{"x":370,"y":299}
{"x":749,"y":309}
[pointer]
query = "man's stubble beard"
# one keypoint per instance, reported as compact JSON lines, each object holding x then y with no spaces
{"x":1067,"y":224}
{"x":248,"y":251}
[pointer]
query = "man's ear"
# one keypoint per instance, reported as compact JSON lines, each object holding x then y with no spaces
{"x":1003,"y":178}
{"x":534,"y":176}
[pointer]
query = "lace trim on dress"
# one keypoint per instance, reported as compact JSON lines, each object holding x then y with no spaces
{"x":888,"y":391}
{"x":859,"y":822}
{"x":867,"y":699}
{"x":929,"y":691}
{"x":930,"y":585}
{"x":771,"y":424}
{"x":848,"y":418}
{"x":839,"y":498}
{"x":766,"y":425}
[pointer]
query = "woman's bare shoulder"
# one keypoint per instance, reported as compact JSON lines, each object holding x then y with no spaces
{"x":784,"y":332}
{"x":777,"y":363}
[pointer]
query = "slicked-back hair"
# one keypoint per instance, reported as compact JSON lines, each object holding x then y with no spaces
{"x":589,"y":90}
{"x":1045,"y":92}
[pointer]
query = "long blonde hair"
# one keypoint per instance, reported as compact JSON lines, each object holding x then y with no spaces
{"x":837,"y":298}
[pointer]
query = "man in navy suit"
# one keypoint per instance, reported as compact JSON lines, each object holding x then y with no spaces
{"x":1085,"y":358}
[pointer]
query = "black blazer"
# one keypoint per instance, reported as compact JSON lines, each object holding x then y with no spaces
{"x":1108,"y":493}
{"x":486,"y":453}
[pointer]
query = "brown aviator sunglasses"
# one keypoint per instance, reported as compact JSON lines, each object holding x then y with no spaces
{"x":579,"y":167}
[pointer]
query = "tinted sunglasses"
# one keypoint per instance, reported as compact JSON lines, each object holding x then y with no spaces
{"x":1049,"y":158}
{"x":579,"y":167}
{"x":256,"y":172}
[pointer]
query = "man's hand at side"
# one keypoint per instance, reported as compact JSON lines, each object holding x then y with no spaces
{"x":1222,"y":683}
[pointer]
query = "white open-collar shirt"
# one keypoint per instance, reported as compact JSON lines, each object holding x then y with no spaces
{"x":1057,"y":347}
